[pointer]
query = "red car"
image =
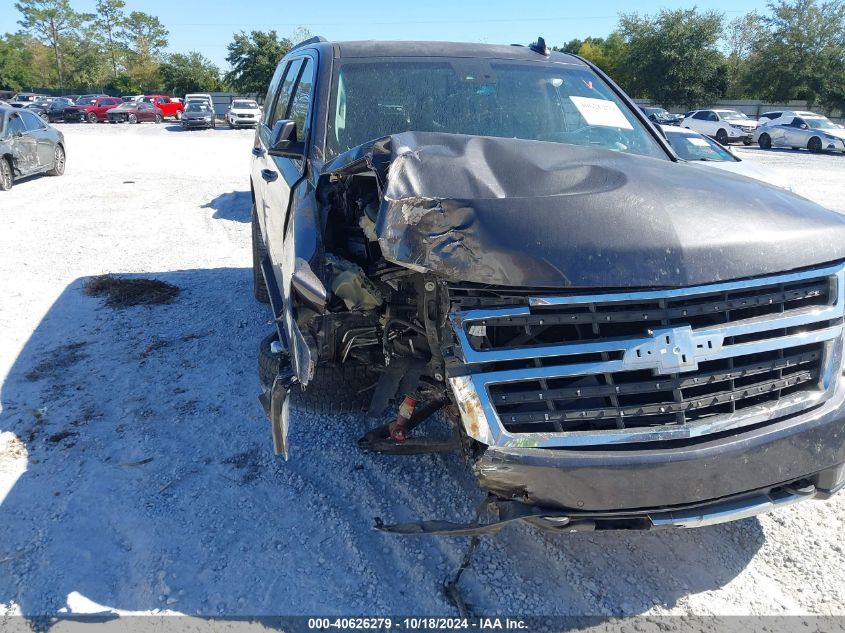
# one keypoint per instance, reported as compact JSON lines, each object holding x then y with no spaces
{"x":167,"y":105}
{"x":91,"y":109}
{"x":134,"y":112}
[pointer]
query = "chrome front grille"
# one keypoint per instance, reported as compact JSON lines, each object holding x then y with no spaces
{"x":614,"y":368}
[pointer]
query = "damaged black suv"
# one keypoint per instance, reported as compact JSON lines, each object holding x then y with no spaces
{"x":617,"y":339}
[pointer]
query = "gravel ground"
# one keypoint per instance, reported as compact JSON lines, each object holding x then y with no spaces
{"x":136,"y":468}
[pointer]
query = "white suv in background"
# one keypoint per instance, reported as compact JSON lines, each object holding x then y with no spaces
{"x":723,"y":125}
{"x":243,"y":113}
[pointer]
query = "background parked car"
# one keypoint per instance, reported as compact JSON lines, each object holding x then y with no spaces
{"x":662,"y":116}
{"x":134,"y":112}
{"x":705,"y":152}
{"x":723,"y":125}
{"x":132,"y":97}
{"x":243,"y":113}
{"x":166,"y":105}
{"x":23,"y":99}
{"x":56,"y":110}
{"x":28,"y":146}
{"x":39,"y":108}
{"x":91,"y":109}
{"x":198,"y":115}
{"x":801,"y":129}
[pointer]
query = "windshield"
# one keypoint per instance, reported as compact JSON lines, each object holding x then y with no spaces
{"x":821,"y":124}
{"x":86,"y":100}
{"x":126,"y":106}
{"x":730,"y":114}
{"x":697,"y":147}
{"x":656,"y":111}
{"x":197,"y":107}
{"x":528,"y":100}
{"x":245,"y":104}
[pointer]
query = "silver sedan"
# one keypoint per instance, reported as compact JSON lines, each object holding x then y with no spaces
{"x":816,"y":133}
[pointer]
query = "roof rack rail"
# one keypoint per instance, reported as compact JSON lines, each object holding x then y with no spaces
{"x":311,"y":40}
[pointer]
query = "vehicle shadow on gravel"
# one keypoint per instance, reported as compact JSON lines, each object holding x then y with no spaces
{"x":235,"y":206}
{"x":150,"y":484}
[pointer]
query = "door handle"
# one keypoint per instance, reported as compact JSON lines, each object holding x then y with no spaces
{"x":257,"y":151}
{"x":269,"y":175}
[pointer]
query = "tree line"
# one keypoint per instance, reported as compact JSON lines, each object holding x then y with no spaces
{"x":688,"y":58}
{"x":119,"y":52}
{"x":678,"y":58}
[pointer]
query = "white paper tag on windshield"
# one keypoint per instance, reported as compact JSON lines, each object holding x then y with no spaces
{"x":601,"y":112}
{"x":698,"y":141}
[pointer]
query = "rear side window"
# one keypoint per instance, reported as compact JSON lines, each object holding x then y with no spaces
{"x":280,"y":107}
{"x":701,"y":116}
{"x":15,"y":124}
{"x":31,"y":121}
{"x":302,"y":100}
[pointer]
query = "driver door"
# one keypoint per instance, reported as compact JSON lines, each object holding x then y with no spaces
{"x":23,"y":144}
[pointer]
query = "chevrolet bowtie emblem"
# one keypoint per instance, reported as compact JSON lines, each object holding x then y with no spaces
{"x":673,"y":350}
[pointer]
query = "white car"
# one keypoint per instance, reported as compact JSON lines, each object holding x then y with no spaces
{"x":243,"y":113}
{"x":801,"y":129}
{"x":723,"y":125}
{"x":199,"y":96}
{"x":698,"y":149}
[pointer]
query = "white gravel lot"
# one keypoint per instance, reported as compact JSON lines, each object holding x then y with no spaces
{"x":136,"y":467}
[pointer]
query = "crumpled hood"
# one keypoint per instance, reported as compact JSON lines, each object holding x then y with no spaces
{"x":522,"y":213}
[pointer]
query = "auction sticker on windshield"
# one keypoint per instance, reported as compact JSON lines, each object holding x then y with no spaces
{"x":601,"y":112}
{"x":699,"y":141}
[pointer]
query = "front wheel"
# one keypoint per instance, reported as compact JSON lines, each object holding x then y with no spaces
{"x":133,"y":118}
{"x":765,"y":141}
{"x":815,"y":144}
{"x":722,"y":137}
{"x":178,"y":115}
{"x":6,"y":178}
{"x":58,"y":162}
{"x":92,"y":118}
{"x":158,"y":118}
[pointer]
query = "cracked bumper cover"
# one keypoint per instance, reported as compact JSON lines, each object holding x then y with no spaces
{"x":807,"y":447}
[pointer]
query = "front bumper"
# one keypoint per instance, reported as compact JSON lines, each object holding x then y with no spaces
{"x":196,"y":122}
{"x":117,"y":118}
{"x":740,"y":135}
{"x":807,"y":447}
{"x":75,"y":115}
{"x":243,"y":121}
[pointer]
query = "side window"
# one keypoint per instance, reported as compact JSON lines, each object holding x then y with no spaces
{"x":15,"y":124}
{"x":280,"y":108}
{"x":796,"y":122}
{"x":701,"y":116}
{"x":302,"y":100}
{"x":165,"y":100}
{"x":31,"y":121}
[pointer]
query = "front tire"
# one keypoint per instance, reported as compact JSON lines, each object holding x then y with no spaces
{"x":722,"y":137}
{"x":59,"y":160}
{"x":815,"y":145}
{"x":259,"y":252}
{"x":765,"y":141}
{"x":7,"y":180}
{"x":92,"y":118}
{"x":158,"y":119}
{"x":132,"y":118}
{"x":178,"y":115}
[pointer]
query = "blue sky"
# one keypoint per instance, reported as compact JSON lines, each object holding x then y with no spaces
{"x":207,"y":26}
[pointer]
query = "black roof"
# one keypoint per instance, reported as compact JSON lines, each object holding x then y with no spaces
{"x":373,"y":48}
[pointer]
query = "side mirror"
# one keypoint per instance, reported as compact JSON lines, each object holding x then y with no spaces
{"x":283,"y":140}
{"x":804,"y":126}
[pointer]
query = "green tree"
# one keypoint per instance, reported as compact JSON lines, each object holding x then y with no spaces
{"x":740,"y":37}
{"x":254,"y":58}
{"x":801,"y":53}
{"x":110,"y":20}
{"x":674,"y":58}
{"x":87,"y":68}
{"x":15,"y":62}
{"x":609,"y":54}
{"x":146,"y":38}
{"x":51,"y":21}
{"x":191,"y":72}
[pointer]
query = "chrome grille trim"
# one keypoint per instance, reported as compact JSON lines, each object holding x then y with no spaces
{"x":823,"y":323}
